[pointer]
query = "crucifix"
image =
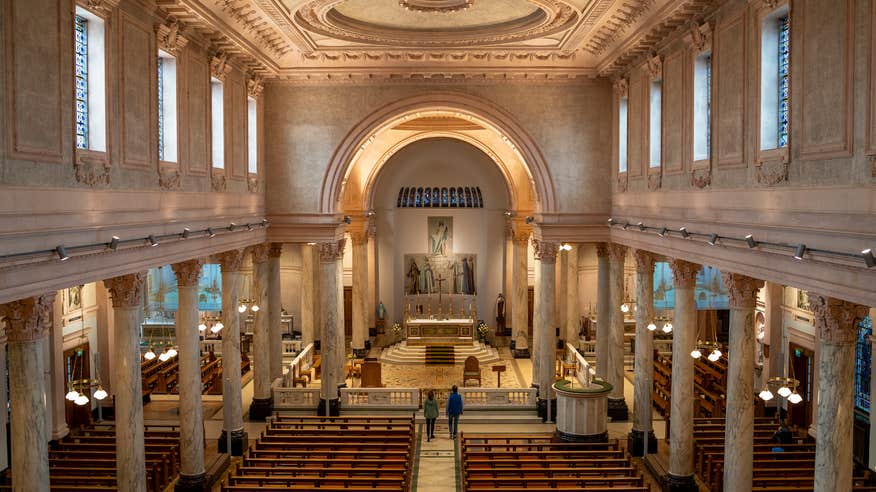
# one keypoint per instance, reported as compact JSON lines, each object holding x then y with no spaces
{"x":439,"y":280}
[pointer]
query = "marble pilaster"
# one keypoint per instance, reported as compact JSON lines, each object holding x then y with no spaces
{"x":681,"y":452}
{"x":836,"y":326}
{"x":603,"y":309}
{"x":572,"y":314}
{"x":262,"y":402}
{"x":520,"y":283}
{"x":309,"y":293}
{"x":27,"y":325}
{"x":359,"y":240}
{"x":274,"y":308}
{"x":127,"y":298}
{"x":231,"y":263}
{"x":192,"y":472}
{"x":643,"y":429}
{"x":332,"y":346}
{"x":739,"y":437}
{"x":543,"y":339}
{"x":617,"y":406}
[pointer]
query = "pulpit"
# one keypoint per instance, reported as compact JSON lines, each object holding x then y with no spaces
{"x":371,"y":377}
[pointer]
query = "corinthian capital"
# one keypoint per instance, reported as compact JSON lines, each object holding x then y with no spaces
{"x":28,"y":319}
{"x":835,"y":319}
{"x":187,"y":272}
{"x":276,"y":250}
{"x":331,"y":251}
{"x":617,"y":252}
{"x":684,"y":273}
{"x":644,"y":261}
{"x":259,"y":253}
{"x":743,"y":290}
{"x":545,"y":252}
{"x":127,"y":291}
{"x":602,"y":250}
{"x":231,"y":261}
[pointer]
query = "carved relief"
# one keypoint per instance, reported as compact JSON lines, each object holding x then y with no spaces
{"x":92,"y":168}
{"x":231,"y":260}
{"x":655,"y":180}
{"x":127,"y":291}
{"x":655,"y":67}
{"x":259,"y":253}
{"x":742,"y":290}
{"x":545,"y":251}
{"x":103,"y":8}
{"x":771,"y":173}
{"x":331,"y":251}
{"x":219,"y":66}
{"x":217,"y":180}
{"x":254,"y":86}
{"x":169,"y":38}
{"x":621,"y":87}
{"x":644,"y":261}
{"x":701,"y":177}
{"x":700,"y":36}
{"x":252,"y":183}
{"x":168,"y":177}
{"x":684,"y":273}
{"x":187,"y":272}
{"x":836,"y":319}
{"x":28,"y":319}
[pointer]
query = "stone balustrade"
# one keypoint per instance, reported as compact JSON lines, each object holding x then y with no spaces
{"x":389,"y":398}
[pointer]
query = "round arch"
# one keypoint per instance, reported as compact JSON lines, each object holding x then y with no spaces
{"x":521,"y":148}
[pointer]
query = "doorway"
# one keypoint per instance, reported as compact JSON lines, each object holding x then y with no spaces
{"x":800,"y":362}
{"x":77,"y":366}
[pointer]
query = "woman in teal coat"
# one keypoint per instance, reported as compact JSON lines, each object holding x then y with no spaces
{"x":430,"y":412}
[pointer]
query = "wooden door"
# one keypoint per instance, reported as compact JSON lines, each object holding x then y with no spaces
{"x":348,"y":311}
{"x":530,"y":301}
{"x":800,"y":363}
{"x":77,"y":364}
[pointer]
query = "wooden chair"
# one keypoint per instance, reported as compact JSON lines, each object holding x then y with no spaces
{"x":472,"y":370}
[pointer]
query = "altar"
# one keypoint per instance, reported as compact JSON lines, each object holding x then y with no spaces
{"x":425,"y":331}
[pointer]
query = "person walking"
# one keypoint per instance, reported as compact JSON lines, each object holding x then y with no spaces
{"x":454,"y":410}
{"x":430,"y":412}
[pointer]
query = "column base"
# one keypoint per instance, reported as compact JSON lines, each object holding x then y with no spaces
{"x":673,"y":483}
{"x":360,"y":353}
{"x":192,"y":483}
{"x":334,"y":408}
{"x":261,"y":408}
{"x":618,"y":410}
{"x":239,"y":442}
{"x":636,"y":442}
{"x":603,"y":437}
{"x":541,"y":408}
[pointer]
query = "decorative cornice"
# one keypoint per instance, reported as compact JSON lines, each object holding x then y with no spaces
{"x":219,"y":66}
{"x":231,"y":260}
{"x":259,"y":253}
{"x":127,"y":291}
{"x":545,"y":251}
{"x":168,"y":36}
{"x":644,"y":261}
{"x":521,"y":56}
{"x":742,"y":290}
{"x":252,"y":23}
{"x":254,"y":86}
{"x":187,"y":272}
{"x":331,"y":251}
{"x":684,"y":273}
{"x":103,"y":8}
{"x":276,"y":250}
{"x":617,"y":253}
{"x":28,"y":319}
{"x":620,"y":21}
{"x":436,"y":6}
{"x":836,"y":319}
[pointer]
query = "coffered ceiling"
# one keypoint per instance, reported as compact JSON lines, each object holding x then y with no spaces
{"x":319,"y":40}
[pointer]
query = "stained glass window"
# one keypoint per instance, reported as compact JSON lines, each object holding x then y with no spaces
{"x":862,"y":365}
{"x":427,"y":197}
{"x":417,"y":194}
{"x":435,"y":197}
{"x":160,"y":109}
{"x":784,"y":79}
{"x":709,"y":105}
{"x":436,"y":201}
{"x":445,"y":197}
{"x":80,"y":61}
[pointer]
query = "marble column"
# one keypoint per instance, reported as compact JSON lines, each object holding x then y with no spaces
{"x":543,"y":339}
{"x":232,"y":396}
{"x":836,"y":323}
{"x":520,"y":283}
{"x":373,"y":279}
{"x":192,"y":472}
{"x":262,"y":402}
{"x":309,"y":324}
{"x":773,"y":324}
{"x":643,"y":428}
{"x":359,"y":239}
{"x":127,"y":297}
{"x":332,"y":345}
{"x":562,"y":286}
{"x":27,"y":325}
{"x":739,"y":437}
{"x":274,"y":307}
{"x":603,"y":310}
{"x":572,"y":314}
{"x":681,"y":455}
{"x":617,"y":405}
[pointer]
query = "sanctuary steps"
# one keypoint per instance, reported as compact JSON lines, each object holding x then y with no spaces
{"x":403,"y":353}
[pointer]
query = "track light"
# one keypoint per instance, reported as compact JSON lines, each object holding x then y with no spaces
{"x":801,"y":250}
{"x":152,"y":241}
{"x":210,"y":232}
{"x":610,"y":222}
{"x":868,"y":258}
{"x":186,"y":232}
{"x":663,"y":232}
{"x":713,"y":239}
{"x":529,"y":219}
{"x":265,"y":221}
{"x":62,"y":253}
{"x":249,"y":227}
{"x":231,"y":226}
{"x":684,"y":233}
{"x":114,"y":243}
{"x":749,"y":240}
{"x":625,"y":226}
{"x":641,"y":226}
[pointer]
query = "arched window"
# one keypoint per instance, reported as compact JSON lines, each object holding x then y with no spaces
{"x":401,"y":194}
{"x":454,"y":197}
{"x":480,"y":197}
{"x":435,"y":197}
{"x":427,"y":197}
{"x":445,"y":197}
{"x":418,"y":197}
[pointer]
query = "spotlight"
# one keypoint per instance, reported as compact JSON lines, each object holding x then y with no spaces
{"x":868,"y":258}
{"x":265,"y":221}
{"x":231,"y":226}
{"x":152,"y":241}
{"x":186,"y":233}
{"x":249,"y":227}
{"x":625,"y":226}
{"x":641,"y":226}
{"x":795,"y":398}
{"x":713,"y":239}
{"x":663,"y":232}
{"x":211,"y":232}
{"x":114,"y":243}
{"x":610,"y":222}
{"x":62,"y":253}
{"x":766,"y":395}
{"x":529,"y":219}
{"x":684,"y":233}
{"x":749,"y":239}
{"x":652,"y":327}
{"x":784,"y":392}
{"x":801,"y":250}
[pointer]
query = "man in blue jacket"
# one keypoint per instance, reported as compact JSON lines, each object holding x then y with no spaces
{"x":454,"y":410}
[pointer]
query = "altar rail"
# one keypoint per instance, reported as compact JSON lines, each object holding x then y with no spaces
{"x":294,"y":398}
{"x":498,"y":398}
{"x":588,"y":347}
{"x":299,"y":365}
{"x":382,"y":398}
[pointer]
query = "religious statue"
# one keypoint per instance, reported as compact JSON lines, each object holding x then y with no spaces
{"x":381,"y":311}
{"x":468,"y":282}
{"x":427,"y":279}
{"x":414,"y":278}
{"x":439,"y":239}
{"x":500,"y":315}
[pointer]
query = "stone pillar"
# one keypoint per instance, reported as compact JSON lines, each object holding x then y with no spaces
{"x":643,"y":428}
{"x":562,"y":286}
{"x":543,"y":339}
{"x":572,"y":314}
{"x":773,"y":324}
{"x":27,"y":325}
{"x":739,"y":435}
{"x":127,"y":296}
{"x":275,"y":325}
{"x":232,"y":397}
{"x":617,"y":406}
{"x":332,"y":349}
{"x":192,"y":472}
{"x":359,"y":239}
{"x":836,"y":323}
{"x":603,"y":310}
{"x":309,"y":323}
{"x":520,"y":283}
{"x":373,"y":279}
{"x":57,"y":375}
{"x":262,"y":402}
{"x":681,"y":456}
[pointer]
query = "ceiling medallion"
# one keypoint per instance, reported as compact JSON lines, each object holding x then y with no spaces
{"x":440,"y":6}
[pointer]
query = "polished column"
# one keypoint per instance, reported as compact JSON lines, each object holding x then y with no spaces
{"x":332,"y":337}
{"x":739,"y":436}
{"x":359,"y":238}
{"x":127,"y":296}
{"x":643,"y":427}
{"x":617,"y":405}
{"x":232,"y":396}
{"x":572,"y":314}
{"x":544,"y":307}
{"x":836,"y":323}
{"x":192,"y":472}
{"x":373,"y":277}
{"x":520,"y":283}
{"x":27,"y":325}
{"x":262,"y":402}
{"x":603,"y":310}
{"x":309,"y":324}
{"x":681,"y":457}
{"x":274,"y":307}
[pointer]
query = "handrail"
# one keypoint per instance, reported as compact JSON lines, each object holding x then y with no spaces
{"x":583,"y":370}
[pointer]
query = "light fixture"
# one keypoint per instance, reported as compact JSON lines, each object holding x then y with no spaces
{"x":696,"y":354}
{"x":641,"y":226}
{"x":663,"y":232}
{"x":152,"y":241}
{"x":715,"y":355}
{"x":100,"y":394}
{"x":868,"y":258}
{"x":265,"y":221}
{"x":749,"y":239}
{"x":610,"y":222}
{"x":787,"y":388}
{"x":210,"y":232}
{"x":566,"y":247}
{"x":713,"y":239}
{"x":202,"y":327}
{"x":81,"y":400}
{"x":795,"y":398}
{"x":784,"y":391}
{"x":186,"y":232}
{"x":217,"y":327}
{"x":255,"y":308}
{"x":667,"y":327}
{"x":652,"y":327}
{"x":163,"y":357}
{"x":150,"y":354}
{"x":241,"y":308}
{"x":684,"y":233}
{"x":72,"y":395}
{"x":231,"y":226}
{"x":172,"y":352}
{"x":625,"y":308}
{"x":800,"y":251}
{"x":311,"y":244}
{"x":625,"y":226}
{"x":62,"y":253}
{"x":765,"y":394}
{"x":245,"y":304}
{"x":114,"y":243}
